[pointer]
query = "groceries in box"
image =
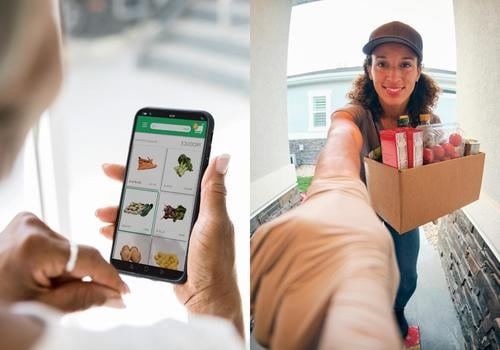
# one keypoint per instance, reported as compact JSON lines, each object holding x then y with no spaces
{"x":404,"y":148}
{"x":442,"y":142}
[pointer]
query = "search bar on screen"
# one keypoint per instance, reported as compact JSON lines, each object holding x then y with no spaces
{"x":170,"y":127}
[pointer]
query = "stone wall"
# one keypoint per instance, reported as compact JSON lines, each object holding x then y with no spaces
{"x":473,"y":276}
{"x":281,"y":205}
{"x":306,"y":151}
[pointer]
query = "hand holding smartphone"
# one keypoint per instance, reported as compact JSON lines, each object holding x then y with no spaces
{"x":169,"y":152}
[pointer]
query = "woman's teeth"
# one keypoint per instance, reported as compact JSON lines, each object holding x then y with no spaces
{"x":393,"y":90}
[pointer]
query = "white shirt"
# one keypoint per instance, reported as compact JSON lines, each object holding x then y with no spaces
{"x":202,"y":332}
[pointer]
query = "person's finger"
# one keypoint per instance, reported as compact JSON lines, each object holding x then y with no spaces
{"x":90,"y":263}
{"x":107,"y":231}
{"x":213,"y":189}
{"x":114,"y":171}
{"x":107,"y":214}
{"x":78,"y":295}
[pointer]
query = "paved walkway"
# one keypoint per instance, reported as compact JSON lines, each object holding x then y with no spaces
{"x":431,"y":306}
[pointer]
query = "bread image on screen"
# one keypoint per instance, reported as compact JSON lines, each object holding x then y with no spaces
{"x":145,"y":164}
{"x":130,"y":254}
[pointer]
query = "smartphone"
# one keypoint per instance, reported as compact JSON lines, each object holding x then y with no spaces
{"x":168,"y":154}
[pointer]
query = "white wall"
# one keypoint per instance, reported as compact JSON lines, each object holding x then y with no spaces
{"x":271,"y":172}
{"x":478,"y":102}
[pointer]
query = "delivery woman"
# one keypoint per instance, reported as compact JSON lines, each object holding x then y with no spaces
{"x":392,"y":85}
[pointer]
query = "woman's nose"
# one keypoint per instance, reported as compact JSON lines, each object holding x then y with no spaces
{"x":394,"y":74}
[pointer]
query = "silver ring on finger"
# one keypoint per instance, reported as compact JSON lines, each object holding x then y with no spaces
{"x":73,"y":255}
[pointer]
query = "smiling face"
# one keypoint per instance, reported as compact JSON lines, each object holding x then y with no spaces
{"x":394,"y":71}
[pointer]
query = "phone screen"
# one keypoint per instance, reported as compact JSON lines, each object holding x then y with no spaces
{"x":159,"y":201}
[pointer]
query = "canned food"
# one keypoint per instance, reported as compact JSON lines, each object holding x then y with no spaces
{"x":471,"y":147}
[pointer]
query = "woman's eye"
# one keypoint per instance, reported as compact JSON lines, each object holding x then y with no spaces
{"x":381,"y":64}
{"x":406,"y":65}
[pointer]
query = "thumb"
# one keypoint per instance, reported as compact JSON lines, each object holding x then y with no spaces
{"x":79,"y":295}
{"x":213,"y":188}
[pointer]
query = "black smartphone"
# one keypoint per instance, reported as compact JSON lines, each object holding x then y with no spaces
{"x":168,"y":154}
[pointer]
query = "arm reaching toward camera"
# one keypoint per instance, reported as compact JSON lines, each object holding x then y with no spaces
{"x":324,"y":274}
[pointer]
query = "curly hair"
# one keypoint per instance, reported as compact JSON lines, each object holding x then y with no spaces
{"x":422,"y":100}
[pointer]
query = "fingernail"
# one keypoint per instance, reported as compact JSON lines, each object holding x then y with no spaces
{"x":105,"y":165}
{"x":222,"y":163}
{"x":115,"y":303}
{"x":97,"y":212}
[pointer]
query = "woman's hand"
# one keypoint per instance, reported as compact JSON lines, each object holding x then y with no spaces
{"x":211,"y":286}
{"x":33,"y":262}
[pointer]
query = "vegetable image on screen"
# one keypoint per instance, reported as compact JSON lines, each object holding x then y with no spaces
{"x":184,"y":165}
{"x":136,"y":208}
{"x":130,"y":254}
{"x":174,"y":213}
{"x":145,"y":164}
{"x":167,"y":260}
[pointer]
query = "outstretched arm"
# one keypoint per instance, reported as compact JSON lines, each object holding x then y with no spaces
{"x":340,"y":156}
{"x":334,"y":284}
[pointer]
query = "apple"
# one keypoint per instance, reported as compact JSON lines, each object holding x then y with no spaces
{"x":449,"y":148}
{"x":438,"y":152}
{"x":428,"y":156}
{"x":455,"y":139}
{"x":446,"y":157}
{"x":454,"y":155}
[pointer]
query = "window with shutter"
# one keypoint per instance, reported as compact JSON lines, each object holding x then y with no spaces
{"x":319,"y":109}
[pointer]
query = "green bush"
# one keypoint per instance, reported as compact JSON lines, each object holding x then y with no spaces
{"x":303,"y":183}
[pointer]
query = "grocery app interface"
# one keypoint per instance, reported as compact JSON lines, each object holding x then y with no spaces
{"x":160,"y":190}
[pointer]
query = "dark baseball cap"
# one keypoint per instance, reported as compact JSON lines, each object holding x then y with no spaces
{"x":395,"y":32}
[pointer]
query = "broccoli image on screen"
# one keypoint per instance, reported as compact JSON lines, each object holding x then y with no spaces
{"x":184,"y":165}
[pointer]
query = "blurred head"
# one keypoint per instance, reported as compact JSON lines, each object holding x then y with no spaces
{"x":30,"y":70}
{"x":393,"y":75}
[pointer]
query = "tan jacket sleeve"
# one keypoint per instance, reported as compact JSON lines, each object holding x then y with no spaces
{"x":325,"y":274}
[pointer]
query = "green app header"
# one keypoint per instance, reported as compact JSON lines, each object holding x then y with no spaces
{"x":171,"y":126}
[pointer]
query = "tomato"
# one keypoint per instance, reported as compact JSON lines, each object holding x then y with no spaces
{"x":455,"y":139}
{"x":438,"y":152}
{"x":428,"y":156}
{"x":449,"y":148}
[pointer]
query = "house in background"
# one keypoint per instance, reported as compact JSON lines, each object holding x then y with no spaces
{"x":312,"y":97}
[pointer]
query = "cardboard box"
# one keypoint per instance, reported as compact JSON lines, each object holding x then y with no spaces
{"x":408,"y":198}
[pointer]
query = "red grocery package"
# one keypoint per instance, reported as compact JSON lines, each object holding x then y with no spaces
{"x":415,"y":146}
{"x":394,"y":148}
